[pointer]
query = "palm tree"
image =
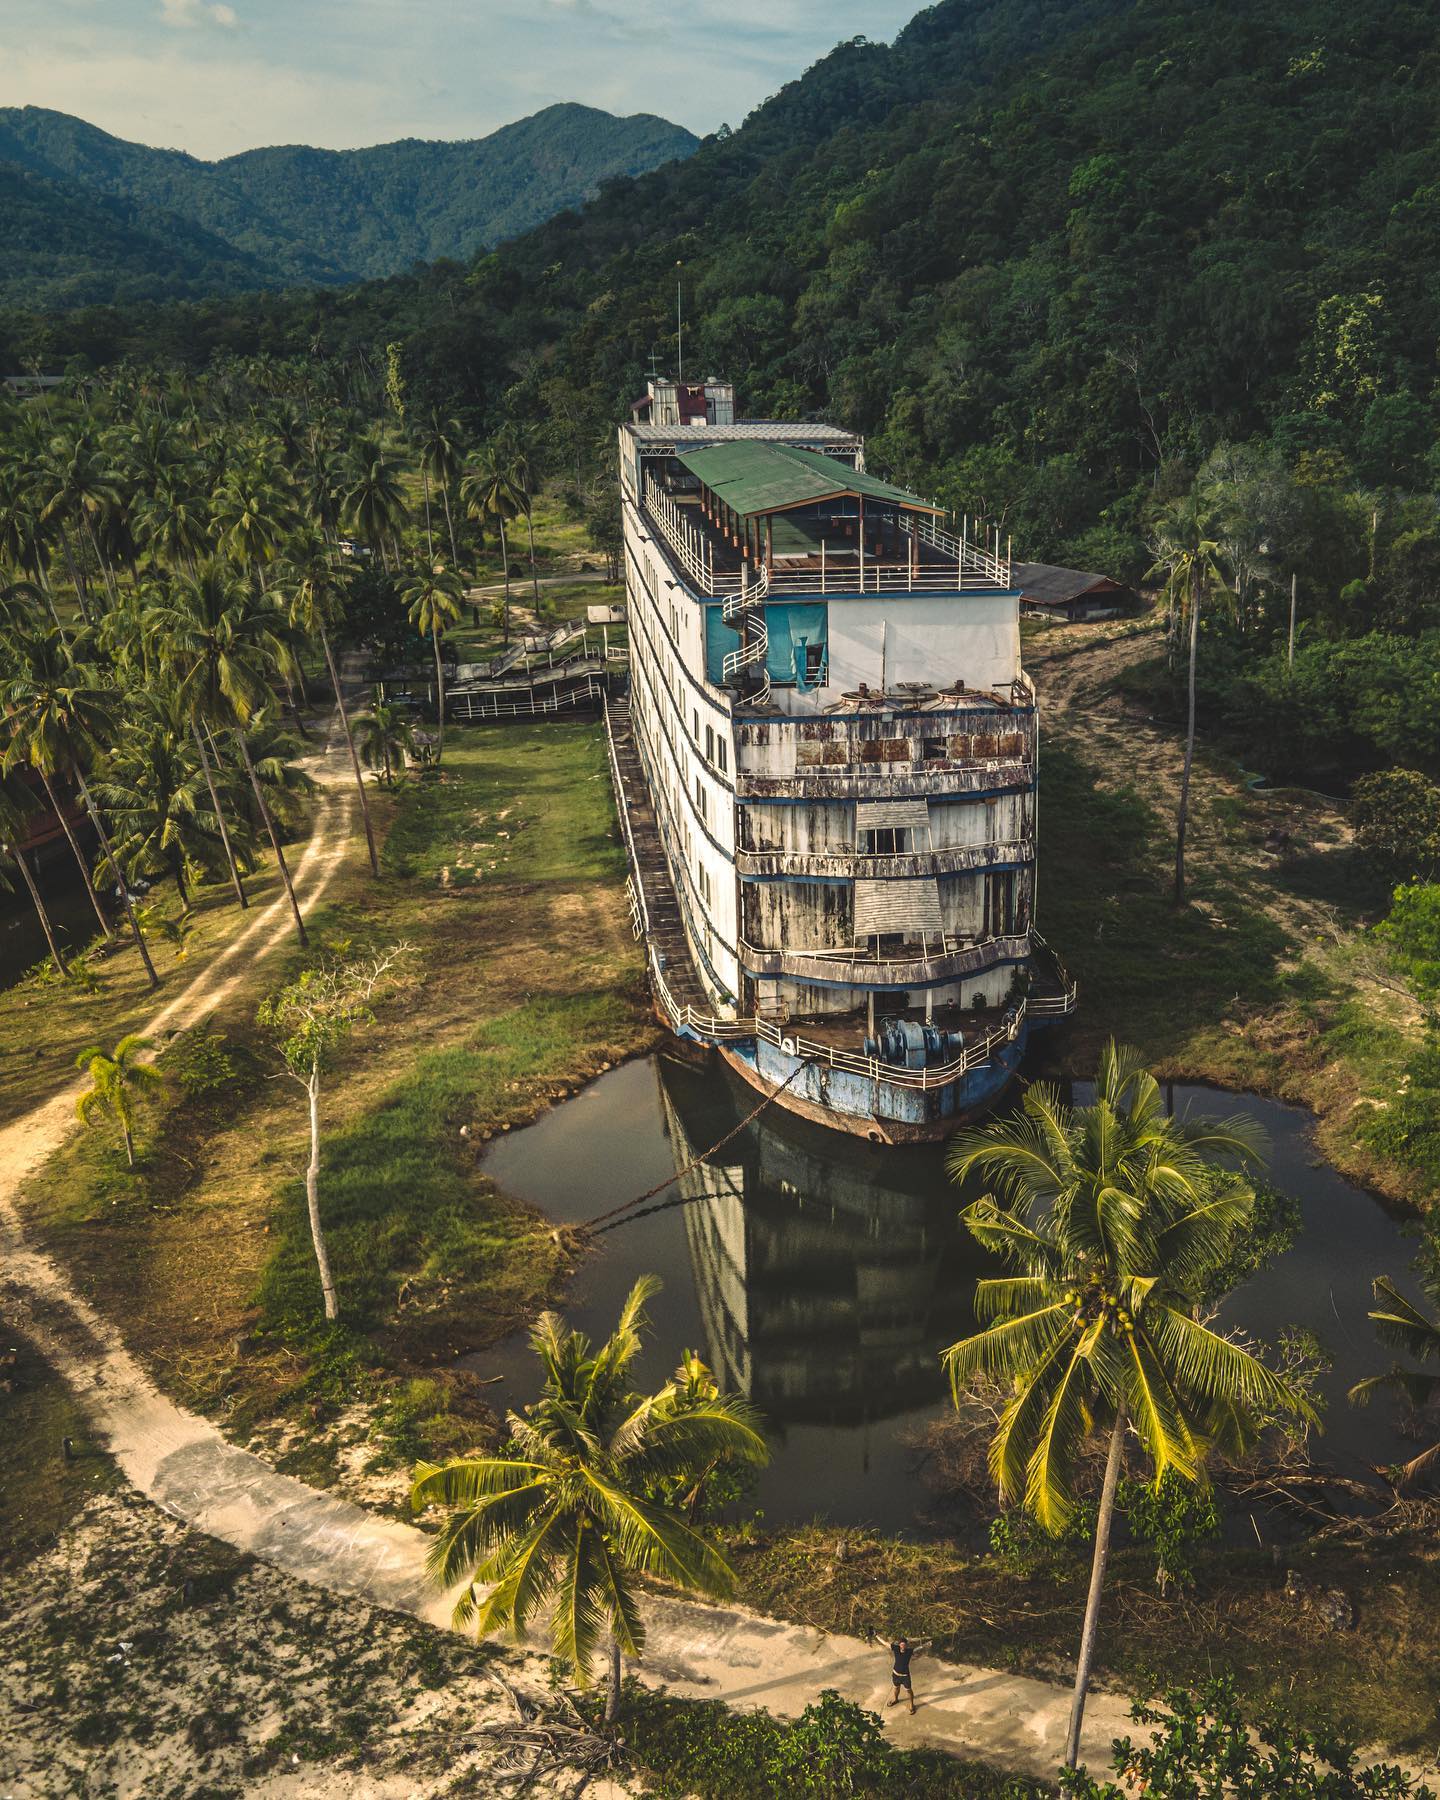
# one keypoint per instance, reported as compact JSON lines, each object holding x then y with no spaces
{"x":1115,"y":1217}
{"x":1401,"y":1324}
{"x":518,"y":451}
{"x":15,"y":802}
{"x":440,"y":462}
{"x":79,"y":489}
{"x":434,"y":600}
{"x":154,"y":789}
{"x":384,"y":736}
{"x":489,"y":492}
{"x":372,"y":497}
{"x":314,"y":594}
{"x":1186,"y":554}
{"x":223,"y":643}
{"x":118,"y":1081}
{"x":60,"y":717}
{"x":575,"y":1516}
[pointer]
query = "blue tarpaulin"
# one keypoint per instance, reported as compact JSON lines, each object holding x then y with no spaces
{"x":793,"y":630}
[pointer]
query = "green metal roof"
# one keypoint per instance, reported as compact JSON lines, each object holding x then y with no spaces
{"x":755,"y":477}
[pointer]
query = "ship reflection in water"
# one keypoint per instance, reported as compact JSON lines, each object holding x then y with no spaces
{"x":818,"y":1275}
{"x":827,"y":1274}
{"x":821,"y":1275}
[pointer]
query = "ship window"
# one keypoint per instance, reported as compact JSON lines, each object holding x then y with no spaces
{"x":885,"y":840}
{"x":934,"y":749}
{"x":1000,"y":903}
{"x":721,"y":755}
{"x":710,"y":743}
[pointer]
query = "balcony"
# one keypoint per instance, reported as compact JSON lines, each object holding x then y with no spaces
{"x":917,"y":556}
{"x":852,"y":966}
{"x":957,"y":859}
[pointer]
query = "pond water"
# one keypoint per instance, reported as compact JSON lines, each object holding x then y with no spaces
{"x":821,"y":1275}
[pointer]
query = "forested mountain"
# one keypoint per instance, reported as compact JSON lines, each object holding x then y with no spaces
{"x":1035,"y":248}
{"x":97,"y":218}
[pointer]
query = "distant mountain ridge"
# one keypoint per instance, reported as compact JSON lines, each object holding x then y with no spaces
{"x":93,"y":218}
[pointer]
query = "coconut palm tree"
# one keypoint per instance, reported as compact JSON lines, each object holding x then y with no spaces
{"x":155,"y":792}
{"x":371,"y":497}
{"x":384,"y":736}
{"x":519,"y":454}
{"x":223,"y":643}
{"x":488,"y":491}
{"x":313,"y":592}
{"x":1402,"y":1325}
{"x":117,"y":1083}
{"x":60,"y":718}
{"x":434,"y":600}
{"x":440,"y":462}
{"x":79,"y":488}
{"x":15,"y":803}
{"x":1114,"y":1217}
{"x":574,"y":1516}
{"x":1187,"y":555}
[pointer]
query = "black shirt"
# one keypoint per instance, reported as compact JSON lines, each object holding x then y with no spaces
{"x":902,"y":1658}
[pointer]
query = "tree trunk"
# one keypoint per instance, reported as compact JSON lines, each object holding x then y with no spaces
{"x":450,"y":526}
{"x":129,"y":1144}
{"x":505,"y":566}
{"x":612,"y":1690}
{"x":18,"y":854}
{"x":239,"y":886}
{"x":274,"y":835}
{"x":1089,"y":1630}
{"x":429,"y":539}
{"x":350,"y":742}
{"x":312,"y":1195}
{"x":439,"y":697}
{"x":119,"y":873}
{"x":54,"y":800}
{"x":82,"y":593}
{"x":1182,"y":818}
{"x":534,"y":572}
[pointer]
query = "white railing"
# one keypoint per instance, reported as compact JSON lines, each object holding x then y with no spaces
{"x":850,"y":573}
{"x":478,"y":706}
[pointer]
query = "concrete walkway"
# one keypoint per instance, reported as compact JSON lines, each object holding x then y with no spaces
{"x":183,"y":1463}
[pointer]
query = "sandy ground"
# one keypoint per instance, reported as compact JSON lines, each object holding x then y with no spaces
{"x":145,"y":1661}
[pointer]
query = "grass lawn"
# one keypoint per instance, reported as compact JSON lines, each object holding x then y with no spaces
{"x":504,"y":874}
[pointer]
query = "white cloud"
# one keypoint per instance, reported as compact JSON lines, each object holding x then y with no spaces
{"x":188,"y":13}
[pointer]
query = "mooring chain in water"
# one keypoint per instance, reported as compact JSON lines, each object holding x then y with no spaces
{"x":695,"y":1161}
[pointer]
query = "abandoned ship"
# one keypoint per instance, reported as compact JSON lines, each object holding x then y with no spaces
{"x":825,"y":768}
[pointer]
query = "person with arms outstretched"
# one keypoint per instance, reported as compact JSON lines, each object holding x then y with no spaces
{"x":900,"y":1653}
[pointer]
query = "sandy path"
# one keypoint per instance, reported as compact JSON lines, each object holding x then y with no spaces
{"x":183,"y":1463}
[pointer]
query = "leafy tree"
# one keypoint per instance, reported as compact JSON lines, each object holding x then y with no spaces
{"x":1203,"y":1744}
{"x":1114,"y":1217}
{"x":567,"y":1515}
{"x":1413,"y":929}
{"x":117,"y":1083}
{"x":311,"y":1018}
{"x":1396,"y":813}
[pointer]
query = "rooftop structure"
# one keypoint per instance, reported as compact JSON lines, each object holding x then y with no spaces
{"x":827,"y":768}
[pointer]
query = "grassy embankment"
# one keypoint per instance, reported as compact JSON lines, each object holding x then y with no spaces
{"x":503,"y":874}
{"x":1269,"y":978}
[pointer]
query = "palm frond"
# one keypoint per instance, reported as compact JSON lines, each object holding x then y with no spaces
{"x":1401,"y":1324}
{"x":654,"y":1540}
{"x":1009,"y":1350}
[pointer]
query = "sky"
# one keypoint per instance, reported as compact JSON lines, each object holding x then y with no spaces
{"x":216,"y":76}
